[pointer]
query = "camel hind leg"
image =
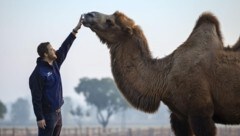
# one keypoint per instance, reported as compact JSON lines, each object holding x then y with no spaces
{"x":180,"y":126}
{"x":202,"y":126}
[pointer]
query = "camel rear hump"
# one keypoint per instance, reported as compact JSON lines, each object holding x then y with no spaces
{"x":236,"y":46}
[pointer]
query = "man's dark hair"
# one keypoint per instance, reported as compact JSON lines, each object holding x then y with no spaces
{"x":42,"y":48}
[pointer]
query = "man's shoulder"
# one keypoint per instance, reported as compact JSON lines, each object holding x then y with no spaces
{"x":38,"y":71}
{"x":35,"y":72}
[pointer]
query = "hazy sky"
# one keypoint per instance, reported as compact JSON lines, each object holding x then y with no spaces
{"x":26,"y":23}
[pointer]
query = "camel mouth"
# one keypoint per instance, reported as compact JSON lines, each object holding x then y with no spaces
{"x":88,"y":19}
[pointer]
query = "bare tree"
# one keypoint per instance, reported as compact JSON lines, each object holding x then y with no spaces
{"x":104,"y":95}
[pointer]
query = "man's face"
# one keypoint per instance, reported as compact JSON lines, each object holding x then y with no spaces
{"x":51,"y":53}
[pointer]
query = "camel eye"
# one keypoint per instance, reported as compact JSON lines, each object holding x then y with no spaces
{"x":109,"y":22}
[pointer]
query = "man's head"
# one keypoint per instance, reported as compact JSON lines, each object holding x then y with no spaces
{"x":46,"y":51}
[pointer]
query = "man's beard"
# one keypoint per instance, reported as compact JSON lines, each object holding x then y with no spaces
{"x":53,"y":57}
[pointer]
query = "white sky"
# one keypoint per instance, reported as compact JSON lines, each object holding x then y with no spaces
{"x":26,"y":23}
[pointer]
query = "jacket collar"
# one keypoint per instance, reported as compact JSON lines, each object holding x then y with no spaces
{"x":41,"y":62}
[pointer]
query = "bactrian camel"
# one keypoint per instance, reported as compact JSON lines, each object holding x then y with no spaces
{"x":199,"y":81}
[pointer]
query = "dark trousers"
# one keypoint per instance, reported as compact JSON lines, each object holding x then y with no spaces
{"x":53,"y":125}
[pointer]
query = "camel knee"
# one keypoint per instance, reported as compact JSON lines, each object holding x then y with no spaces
{"x":202,"y":126}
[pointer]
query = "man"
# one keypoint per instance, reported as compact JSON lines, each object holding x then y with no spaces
{"x":46,"y":86}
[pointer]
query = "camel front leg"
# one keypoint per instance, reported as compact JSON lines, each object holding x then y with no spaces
{"x":180,"y":126}
{"x":202,"y":126}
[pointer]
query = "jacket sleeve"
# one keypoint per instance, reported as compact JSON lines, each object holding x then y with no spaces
{"x":63,"y":50}
{"x":36,"y":87}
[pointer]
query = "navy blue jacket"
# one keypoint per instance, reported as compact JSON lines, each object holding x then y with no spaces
{"x":45,"y":82}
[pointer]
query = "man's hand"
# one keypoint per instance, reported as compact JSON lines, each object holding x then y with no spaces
{"x":41,"y":124}
{"x":78,"y":25}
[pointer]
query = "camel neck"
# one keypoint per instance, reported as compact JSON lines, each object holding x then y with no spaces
{"x":137,"y":75}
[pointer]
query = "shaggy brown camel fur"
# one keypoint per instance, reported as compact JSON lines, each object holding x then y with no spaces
{"x":199,"y":81}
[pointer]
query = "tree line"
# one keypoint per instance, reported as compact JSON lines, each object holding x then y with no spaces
{"x":3,"y":110}
{"x":99,"y":93}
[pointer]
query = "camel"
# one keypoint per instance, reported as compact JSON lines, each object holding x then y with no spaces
{"x":199,"y":81}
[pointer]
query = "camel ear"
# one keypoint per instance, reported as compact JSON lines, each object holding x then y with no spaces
{"x":129,"y":30}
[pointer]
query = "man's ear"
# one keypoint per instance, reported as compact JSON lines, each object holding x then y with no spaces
{"x":45,"y":55}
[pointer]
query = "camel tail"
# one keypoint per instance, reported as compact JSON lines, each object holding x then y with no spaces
{"x":208,"y":17}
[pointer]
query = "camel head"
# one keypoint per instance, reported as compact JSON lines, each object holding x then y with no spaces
{"x":109,"y":28}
